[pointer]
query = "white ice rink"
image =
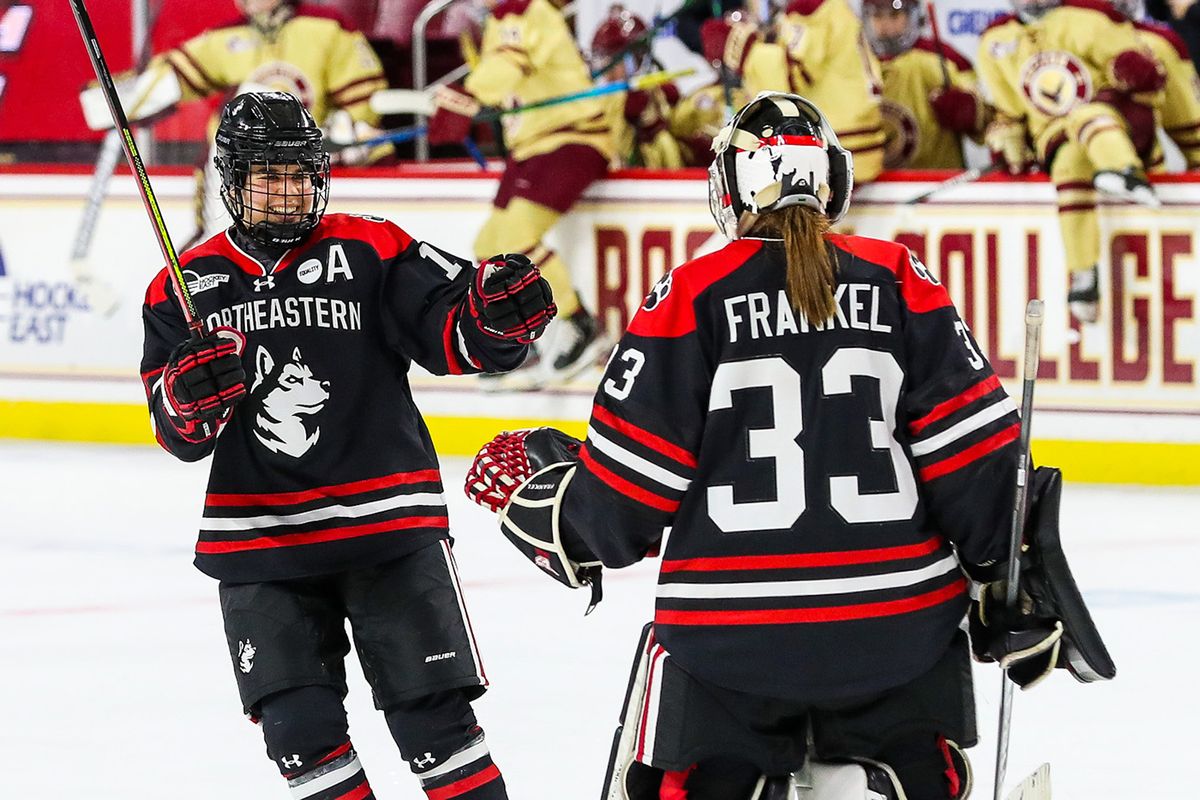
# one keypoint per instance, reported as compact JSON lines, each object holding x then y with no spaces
{"x":115,"y":680}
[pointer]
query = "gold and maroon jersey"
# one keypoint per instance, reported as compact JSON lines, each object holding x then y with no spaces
{"x":914,"y":138}
{"x":311,"y":56}
{"x":1179,"y":113}
{"x":823,"y":56}
{"x":529,"y":54}
{"x":820,"y":479}
{"x":697,"y":118}
{"x":1041,"y":71}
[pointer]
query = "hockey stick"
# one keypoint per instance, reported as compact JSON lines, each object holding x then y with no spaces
{"x":637,"y":83}
{"x":1033,"y":349}
{"x":657,"y":25}
{"x":101,"y":296}
{"x":937,"y":42}
{"x":961,"y":179}
{"x":1036,"y":786}
{"x":121,"y":123}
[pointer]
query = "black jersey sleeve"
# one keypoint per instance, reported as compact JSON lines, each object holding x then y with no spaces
{"x":426,"y":317}
{"x":646,"y":426}
{"x":963,"y":427}
{"x":165,"y":329}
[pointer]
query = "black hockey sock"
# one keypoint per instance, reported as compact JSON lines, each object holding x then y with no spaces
{"x":445,"y":748}
{"x":306,"y":734}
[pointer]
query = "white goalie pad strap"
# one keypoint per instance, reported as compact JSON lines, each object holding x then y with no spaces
{"x":147,"y":95}
{"x":624,"y":747}
{"x":531,"y":522}
{"x":402,"y":101}
{"x":820,"y":780}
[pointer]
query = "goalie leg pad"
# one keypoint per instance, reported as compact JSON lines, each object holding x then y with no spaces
{"x":306,"y":735}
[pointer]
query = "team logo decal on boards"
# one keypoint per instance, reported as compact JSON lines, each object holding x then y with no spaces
{"x":901,"y":135}
{"x":1055,"y":82}
{"x":197,"y":283}
{"x":246,"y":652}
{"x":289,"y":399}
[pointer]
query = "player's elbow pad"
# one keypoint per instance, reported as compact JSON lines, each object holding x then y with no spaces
{"x":1135,"y":71}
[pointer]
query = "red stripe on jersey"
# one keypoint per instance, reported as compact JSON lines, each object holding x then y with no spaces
{"x":357,"y":793}
{"x":625,"y":487}
{"x":338,"y":752}
{"x":448,"y":344}
{"x":804,"y":560}
{"x":386,"y":238}
{"x":316,"y":537}
{"x":643,"y":436}
{"x":792,"y":616}
{"x":336,"y":490}
{"x":658,"y":654}
{"x":920,"y":294}
{"x":465,"y":785}
{"x":943,"y":409}
{"x":972,"y":453}
{"x":675,"y":315}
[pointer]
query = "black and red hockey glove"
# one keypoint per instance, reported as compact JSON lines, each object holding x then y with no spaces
{"x":204,"y":378}
{"x":513,"y":457}
{"x":509,"y":298}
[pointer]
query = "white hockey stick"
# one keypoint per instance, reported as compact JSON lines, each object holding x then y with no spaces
{"x":1036,"y":786}
{"x":1034,"y":315}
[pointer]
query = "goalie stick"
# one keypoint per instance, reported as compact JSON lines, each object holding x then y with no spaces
{"x":121,"y":123}
{"x":1033,"y":346}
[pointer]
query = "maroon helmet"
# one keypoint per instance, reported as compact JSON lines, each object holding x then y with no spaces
{"x":615,"y":33}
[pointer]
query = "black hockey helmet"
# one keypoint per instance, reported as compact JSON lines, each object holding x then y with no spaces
{"x":778,"y":151}
{"x":272,"y":133}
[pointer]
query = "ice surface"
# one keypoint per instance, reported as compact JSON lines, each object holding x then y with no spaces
{"x":115,"y":680}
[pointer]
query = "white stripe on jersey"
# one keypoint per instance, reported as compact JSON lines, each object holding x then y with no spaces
{"x":972,"y":423}
{"x":327,"y":512}
{"x":460,"y":759}
{"x":324,"y":781}
{"x":636,"y":462}
{"x":811,"y":588}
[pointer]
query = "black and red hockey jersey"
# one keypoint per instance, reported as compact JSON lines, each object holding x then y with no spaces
{"x":821,"y":480}
{"x":327,"y":464}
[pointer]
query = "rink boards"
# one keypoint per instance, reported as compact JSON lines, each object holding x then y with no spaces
{"x":1119,"y":402}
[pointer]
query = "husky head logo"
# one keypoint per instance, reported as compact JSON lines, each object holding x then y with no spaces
{"x":289,"y":399}
{"x":246,"y":652}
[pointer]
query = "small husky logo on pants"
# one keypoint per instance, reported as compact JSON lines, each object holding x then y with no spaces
{"x":246,"y":652}
{"x":289,"y":398}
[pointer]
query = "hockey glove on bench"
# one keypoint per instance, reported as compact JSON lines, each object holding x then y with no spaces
{"x":509,"y":299}
{"x":204,"y":379}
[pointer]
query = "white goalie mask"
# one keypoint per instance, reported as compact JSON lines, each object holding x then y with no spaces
{"x":778,"y":151}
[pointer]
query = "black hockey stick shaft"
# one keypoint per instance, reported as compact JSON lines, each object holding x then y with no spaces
{"x":650,"y":32}
{"x":1033,"y":349}
{"x":104,"y":76}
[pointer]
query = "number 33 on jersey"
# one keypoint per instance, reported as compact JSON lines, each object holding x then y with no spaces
{"x":814,"y":474}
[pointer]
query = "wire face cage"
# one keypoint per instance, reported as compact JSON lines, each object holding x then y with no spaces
{"x":276,"y":202}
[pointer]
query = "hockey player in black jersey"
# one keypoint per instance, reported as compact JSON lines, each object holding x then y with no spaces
{"x":817,"y":427}
{"x":324,"y":499}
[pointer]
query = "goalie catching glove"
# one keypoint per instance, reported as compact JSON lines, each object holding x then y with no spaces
{"x":509,"y":299}
{"x":1051,"y":626}
{"x":522,"y":475}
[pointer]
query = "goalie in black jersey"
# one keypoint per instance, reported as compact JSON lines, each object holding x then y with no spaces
{"x":324,"y":498}
{"x":836,"y":461}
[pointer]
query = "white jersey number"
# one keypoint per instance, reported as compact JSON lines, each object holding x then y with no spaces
{"x":779,"y":442}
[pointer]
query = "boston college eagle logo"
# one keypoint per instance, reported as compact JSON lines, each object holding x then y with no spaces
{"x":901,"y":134}
{"x":1055,"y":82}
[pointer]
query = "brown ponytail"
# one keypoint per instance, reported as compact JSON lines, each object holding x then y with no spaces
{"x":811,"y":268}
